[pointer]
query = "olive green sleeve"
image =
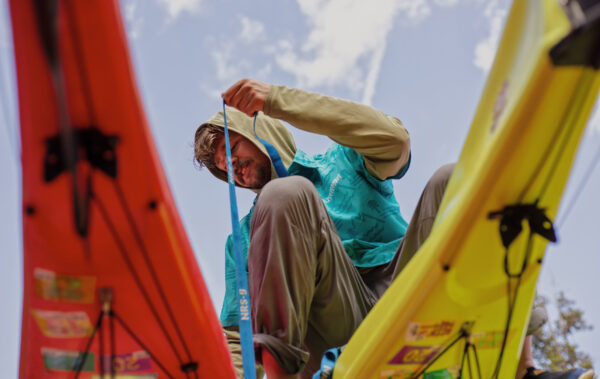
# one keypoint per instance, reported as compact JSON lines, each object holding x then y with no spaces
{"x":232,"y":335}
{"x":382,"y":140}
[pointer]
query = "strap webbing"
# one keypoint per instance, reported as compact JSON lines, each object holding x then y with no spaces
{"x":241,"y":276}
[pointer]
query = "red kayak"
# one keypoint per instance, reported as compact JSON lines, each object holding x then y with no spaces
{"x":112,"y":288}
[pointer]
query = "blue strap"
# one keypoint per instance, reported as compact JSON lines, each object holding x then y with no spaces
{"x":273,"y":153}
{"x":328,"y":363}
{"x":241,"y":277}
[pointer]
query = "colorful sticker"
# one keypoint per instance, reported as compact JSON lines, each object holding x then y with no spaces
{"x":395,"y":374}
{"x":52,"y":286}
{"x":489,"y":340}
{"x":63,"y":324}
{"x":412,"y":355}
{"x":139,"y":376}
{"x":64,"y":360}
{"x":129,"y":362}
{"x":447,"y":373}
{"x":417,"y":331}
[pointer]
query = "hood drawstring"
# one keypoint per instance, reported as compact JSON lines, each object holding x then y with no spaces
{"x":273,"y":154}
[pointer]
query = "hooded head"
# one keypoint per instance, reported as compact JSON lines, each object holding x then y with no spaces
{"x":267,"y":128}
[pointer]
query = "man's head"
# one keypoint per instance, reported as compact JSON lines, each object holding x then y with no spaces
{"x":251,"y":163}
{"x":251,"y":167}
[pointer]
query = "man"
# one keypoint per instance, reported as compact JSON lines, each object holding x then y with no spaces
{"x":321,"y":243}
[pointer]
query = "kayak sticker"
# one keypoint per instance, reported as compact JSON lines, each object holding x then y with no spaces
{"x":63,"y":324}
{"x":417,"y":331}
{"x":447,"y":373}
{"x":52,"y":286}
{"x":489,"y":340}
{"x":65,"y":360}
{"x":412,"y":355}
{"x":395,"y":374}
{"x":138,"y":376}
{"x":129,"y":362}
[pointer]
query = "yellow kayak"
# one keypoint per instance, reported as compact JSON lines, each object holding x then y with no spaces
{"x":473,"y":281}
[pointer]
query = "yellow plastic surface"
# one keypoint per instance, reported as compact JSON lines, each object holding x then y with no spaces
{"x":519,"y":150}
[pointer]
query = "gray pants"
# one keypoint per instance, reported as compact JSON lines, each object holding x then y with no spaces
{"x":306,"y":294}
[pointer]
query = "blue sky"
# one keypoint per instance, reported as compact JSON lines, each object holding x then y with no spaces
{"x":424,"y":61}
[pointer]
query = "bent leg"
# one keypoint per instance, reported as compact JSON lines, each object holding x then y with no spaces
{"x":421,"y":223}
{"x":300,"y":275}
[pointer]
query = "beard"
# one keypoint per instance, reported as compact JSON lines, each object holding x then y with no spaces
{"x":261,"y":175}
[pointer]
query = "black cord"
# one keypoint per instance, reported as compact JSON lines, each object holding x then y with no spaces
{"x":134,"y":273}
{"x":101,"y":347}
{"x":79,"y":57}
{"x":462,"y":334}
{"x":139,"y":342}
{"x":83,"y":357}
{"x":468,"y":359}
{"x":511,"y":303}
{"x":560,"y":138}
{"x":113,"y":341}
{"x":474,"y":348}
{"x":140,"y":242}
{"x":512,"y":297}
{"x":462,"y":361}
{"x":98,"y":327}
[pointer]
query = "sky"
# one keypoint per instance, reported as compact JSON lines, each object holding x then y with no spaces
{"x":424,"y":61}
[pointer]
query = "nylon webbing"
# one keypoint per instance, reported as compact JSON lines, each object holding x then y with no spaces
{"x":241,"y":277}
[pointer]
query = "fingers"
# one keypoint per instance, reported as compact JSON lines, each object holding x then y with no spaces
{"x":233,"y":93}
{"x":247,"y":95}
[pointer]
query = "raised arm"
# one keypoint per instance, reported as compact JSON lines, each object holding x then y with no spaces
{"x":382,"y":140}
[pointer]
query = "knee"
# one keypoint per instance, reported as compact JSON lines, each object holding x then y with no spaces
{"x":537,"y":319}
{"x":440,"y":178}
{"x":284,"y":191}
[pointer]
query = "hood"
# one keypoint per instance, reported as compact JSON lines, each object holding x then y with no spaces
{"x":267,"y":128}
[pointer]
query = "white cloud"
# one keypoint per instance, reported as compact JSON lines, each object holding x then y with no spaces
{"x":373,"y":74}
{"x":133,"y":22}
{"x":177,"y":7}
{"x":344,"y":47}
{"x":252,"y":30}
{"x":228,"y":68}
{"x":346,"y":42}
{"x":486,"y":49}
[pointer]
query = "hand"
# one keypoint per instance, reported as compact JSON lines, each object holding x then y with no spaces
{"x":247,"y":96}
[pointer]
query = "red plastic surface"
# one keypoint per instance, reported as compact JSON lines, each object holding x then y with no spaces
{"x":168,"y":308}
